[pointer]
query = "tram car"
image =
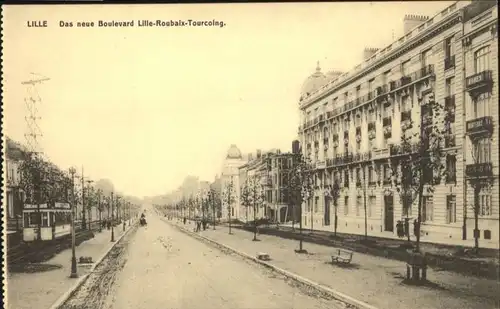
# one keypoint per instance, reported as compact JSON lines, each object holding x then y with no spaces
{"x":56,"y":221}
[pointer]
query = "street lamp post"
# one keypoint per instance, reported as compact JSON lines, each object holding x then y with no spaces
{"x":74,"y":273}
{"x":112,"y":220}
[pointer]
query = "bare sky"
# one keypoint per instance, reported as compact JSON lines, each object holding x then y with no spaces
{"x":145,"y":107}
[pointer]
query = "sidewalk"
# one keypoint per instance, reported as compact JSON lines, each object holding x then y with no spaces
{"x":40,"y":290}
{"x":376,"y":281}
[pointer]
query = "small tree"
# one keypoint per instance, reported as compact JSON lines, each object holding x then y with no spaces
{"x":334,"y":192}
{"x":214,"y":200}
{"x":255,"y":198}
{"x":417,"y":161}
{"x":245,"y":197}
{"x":478,"y":182}
{"x":42,"y":183}
{"x":300,"y":186}
{"x":228,"y":200}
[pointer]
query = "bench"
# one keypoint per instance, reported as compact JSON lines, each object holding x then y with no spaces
{"x":263,"y":256}
{"x":341,"y":255}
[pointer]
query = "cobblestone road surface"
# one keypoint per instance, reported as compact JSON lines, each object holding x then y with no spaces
{"x":161,"y":267}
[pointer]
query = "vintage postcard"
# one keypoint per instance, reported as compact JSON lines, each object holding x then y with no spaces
{"x":251,"y":155}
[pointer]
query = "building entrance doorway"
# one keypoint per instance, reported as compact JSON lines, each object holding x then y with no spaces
{"x":389,"y":213}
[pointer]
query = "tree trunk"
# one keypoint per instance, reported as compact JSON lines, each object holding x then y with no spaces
{"x":254,"y":222}
{"x":300,"y":228}
{"x":419,"y":216}
{"x":477,"y":190}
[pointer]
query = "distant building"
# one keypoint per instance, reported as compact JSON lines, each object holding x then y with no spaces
{"x":14,"y":196}
{"x":230,"y":175}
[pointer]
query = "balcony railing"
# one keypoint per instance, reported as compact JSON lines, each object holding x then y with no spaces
{"x":479,"y":80}
{"x":479,"y":170}
{"x":449,"y":62}
{"x":479,"y":126}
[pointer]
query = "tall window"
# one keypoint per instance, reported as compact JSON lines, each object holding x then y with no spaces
{"x":426,"y":57}
{"x":346,"y":205}
{"x":485,"y":203}
{"x":451,"y":168}
{"x":371,"y":178}
{"x":359,"y":203}
{"x":335,"y":102}
{"x":346,"y":178}
{"x":371,"y":203}
{"x":482,"y":59}
{"x":325,"y":107}
{"x":370,"y":85}
{"x":450,"y":86}
{"x":387,"y":174}
{"x":386,"y":77}
{"x":448,"y":47}
{"x":482,"y":150}
{"x":427,"y":208}
{"x":481,"y":105}
{"x":316,"y":202}
{"x":451,"y":209}
{"x":404,"y":67}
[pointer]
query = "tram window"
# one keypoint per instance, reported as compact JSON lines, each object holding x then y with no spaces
{"x":33,"y":218}
{"x":45,"y":219}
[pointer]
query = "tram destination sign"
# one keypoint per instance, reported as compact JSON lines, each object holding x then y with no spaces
{"x":35,"y":206}
{"x":62,"y":206}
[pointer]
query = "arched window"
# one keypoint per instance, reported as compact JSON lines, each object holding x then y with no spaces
{"x":482,"y":59}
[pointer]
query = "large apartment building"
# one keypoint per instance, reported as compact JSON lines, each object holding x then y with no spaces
{"x":352,"y":123}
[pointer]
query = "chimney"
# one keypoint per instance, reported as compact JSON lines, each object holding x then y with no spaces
{"x":368,"y":52}
{"x":412,"y":21}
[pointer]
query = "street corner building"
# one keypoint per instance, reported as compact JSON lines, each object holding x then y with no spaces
{"x":351,"y":124}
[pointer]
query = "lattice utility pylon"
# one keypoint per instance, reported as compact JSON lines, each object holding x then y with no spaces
{"x":33,"y":101}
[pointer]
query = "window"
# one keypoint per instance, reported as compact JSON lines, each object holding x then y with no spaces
{"x":316,"y":112}
{"x":371,"y":143}
{"x":426,"y":57}
{"x":404,"y":67}
{"x":448,"y":47}
{"x":405,"y":104}
{"x":370,"y":85}
{"x":359,"y":203}
{"x":346,"y":97}
{"x":357,"y":91}
{"x":316,"y":202}
{"x":451,"y":209}
{"x":371,"y":178}
{"x":481,"y":105}
{"x":450,"y":86}
{"x":371,"y":203}
{"x":358,"y":177}
{"x":482,"y":151}
{"x":325,"y":106}
{"x":386,"y":77}
{"x":371,"y":116}
{"x":346,"y":179}
{"x":335,"y":151}
{"x":309,"y":204}
{"x":346,"y":205}
{"x":482,"y":59}
{"x":325,"y":153}
{"x":316,"y":156}
{"x":427,"y":209}
{"x":451,"y":168}
{"x":387,"y":174}
{"x":485,"y":203}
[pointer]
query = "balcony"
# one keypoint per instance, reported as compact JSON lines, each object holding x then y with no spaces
{"x":480,"y":126}
{"x":449,"y":62}
{"x":405,"y":115}
{"x":479,"y":170}
{"x":479,"y":81}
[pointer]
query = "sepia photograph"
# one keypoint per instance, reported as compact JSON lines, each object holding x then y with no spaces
{"x":300,"y":155}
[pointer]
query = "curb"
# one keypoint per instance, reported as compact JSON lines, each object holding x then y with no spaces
{"x":335,"y":294}
{"x":81,"y":280}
